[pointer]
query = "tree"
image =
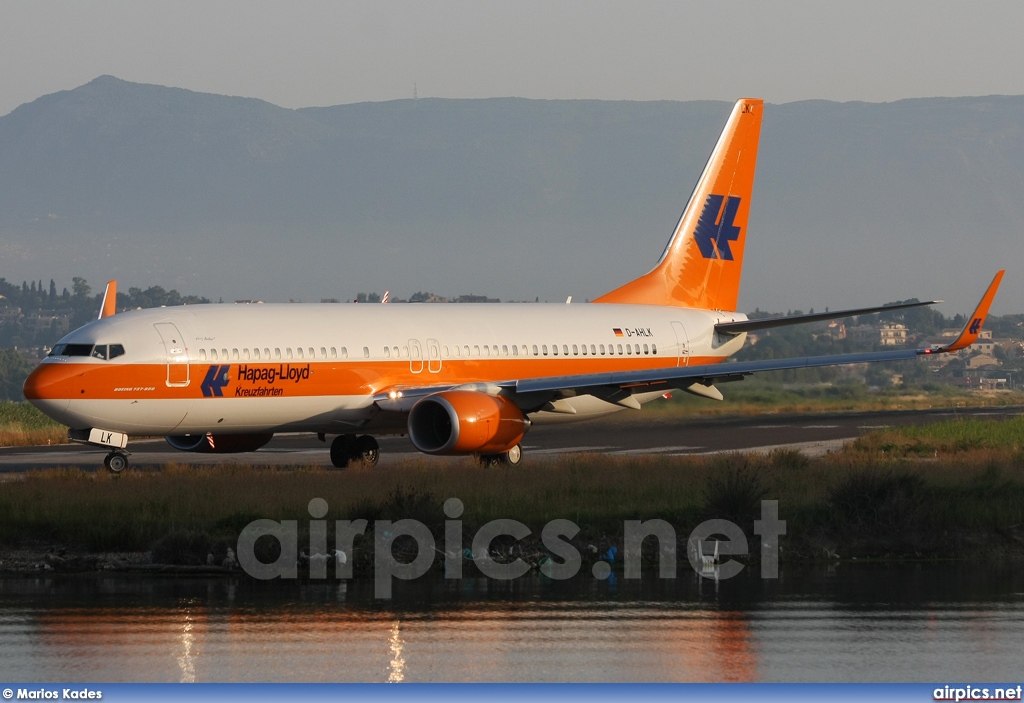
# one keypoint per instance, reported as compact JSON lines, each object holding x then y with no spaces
{"x":14,"y":369}
{"x":80,"y":287}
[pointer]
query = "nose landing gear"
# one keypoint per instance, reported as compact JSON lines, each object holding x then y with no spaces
{"x":116,"y":461}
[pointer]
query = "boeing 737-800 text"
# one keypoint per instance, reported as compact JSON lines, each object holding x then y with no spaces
{"x":458,"y":379}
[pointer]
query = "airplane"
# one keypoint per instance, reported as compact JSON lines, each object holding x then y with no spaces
{"x":457,"y":379}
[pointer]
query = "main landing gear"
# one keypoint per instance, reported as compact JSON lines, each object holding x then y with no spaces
{"x":116,"y":461}
{"x":347,"y":448}
{"x":510,"y":458}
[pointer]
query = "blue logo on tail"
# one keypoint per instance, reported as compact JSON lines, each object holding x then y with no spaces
{"x":216,"y":379}
{"x":713,"y":234}
{"x":975,"y":325}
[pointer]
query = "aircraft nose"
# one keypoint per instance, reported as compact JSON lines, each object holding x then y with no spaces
{"x":43,"y":388}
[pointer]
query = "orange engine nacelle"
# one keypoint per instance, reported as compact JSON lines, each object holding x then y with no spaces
{"x":218,"y":443}
{"x":465,"y":422}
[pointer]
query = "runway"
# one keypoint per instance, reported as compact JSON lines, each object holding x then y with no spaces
{"x":616,"y":436}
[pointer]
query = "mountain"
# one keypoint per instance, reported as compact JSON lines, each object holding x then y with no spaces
{"x":231,"y":197}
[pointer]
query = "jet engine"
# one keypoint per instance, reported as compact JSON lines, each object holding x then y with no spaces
{"x":210,"y":443}
{"x":465,"y":422}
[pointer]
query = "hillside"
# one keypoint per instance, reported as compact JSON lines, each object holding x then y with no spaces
{"x":233,"y":197}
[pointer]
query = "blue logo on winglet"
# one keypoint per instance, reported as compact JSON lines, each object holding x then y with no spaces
{"x":713,"y":233}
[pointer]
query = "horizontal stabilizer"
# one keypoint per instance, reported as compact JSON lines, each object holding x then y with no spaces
{"x":772,"y":322}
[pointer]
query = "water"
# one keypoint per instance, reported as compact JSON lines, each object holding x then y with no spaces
{"x":949,"y":622}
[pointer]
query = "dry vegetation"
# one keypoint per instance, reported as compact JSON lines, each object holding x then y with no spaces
{"x":949,"y":490}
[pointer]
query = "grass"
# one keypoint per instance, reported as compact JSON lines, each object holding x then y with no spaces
{"x":756,"y":396}
{"x":867,"y":501}
{"x":951,"y":437}
{"x":21,"y":425}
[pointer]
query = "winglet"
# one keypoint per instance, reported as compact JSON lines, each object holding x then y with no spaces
{"x":109,"y":305}
{"x":975,"y":322}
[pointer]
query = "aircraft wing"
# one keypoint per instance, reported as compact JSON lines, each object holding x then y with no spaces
{"x":767,"y":323}
{"x":618,"y":386}
{"x":683,"y":376}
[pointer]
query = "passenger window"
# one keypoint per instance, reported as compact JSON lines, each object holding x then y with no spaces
{"x":554,"y":350}
{"x":202,"y":355}
{"x":646,"y":350}
{"x":213,"y":355}
{"x":602,"y":350}
{"x":277,"y":353}
{"x":515,"y":350}
{"x":565,"y":349}
{"x":366,"y":352}
{"x":575,"y":350}
{"x":334,"y":352}
{"x":619,"y":352}
{"x":266,"y":353}
{"x":387,"y":353}
{"x":654,"y":348}
{"x":256,"y":353}
{"x":245,"y":353}
{"x":636,"y":348}
{"x":487,"y":350}
{"x":504,"y":350}
{"x":465,"y":348}
{"x":544,"y":349}
{"x":405,"y":352}
{"x":234,"y":355}
{"x":535,"y":350}
{"x":495,"y":349}
{"x":444,"y":351}
{"x":476,"y":350}
{"x":593,"y":350}
{"x":344,"y":352}
{"x":288,"y":352}
{"x":583,"y":348}
{"x":298,"y":353}
{"x":455,"y":350}
{"x":312,"y":353}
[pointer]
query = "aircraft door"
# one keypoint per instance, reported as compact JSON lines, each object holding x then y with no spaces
{"x":177,"y":354}
{"x":433,"y":356}
{"x":682,"y":342}
{"x":415,"y":356}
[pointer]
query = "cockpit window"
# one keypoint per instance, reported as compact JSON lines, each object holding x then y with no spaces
{"x":97,"y":351}
{"x":77,"y":350}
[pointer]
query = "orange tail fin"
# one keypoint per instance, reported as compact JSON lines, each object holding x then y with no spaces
{"x":109,"y":305}
{"x":702,"y":263}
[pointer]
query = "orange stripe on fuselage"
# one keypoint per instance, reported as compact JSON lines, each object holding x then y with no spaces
{"x":100,"y":381}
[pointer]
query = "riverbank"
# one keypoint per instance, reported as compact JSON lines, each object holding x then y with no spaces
{"x":951,"y":490}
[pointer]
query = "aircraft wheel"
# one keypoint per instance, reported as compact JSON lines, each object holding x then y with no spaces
{"x":341,"y":451}
{"x":116,"y":462}
{"x":366,"y":450}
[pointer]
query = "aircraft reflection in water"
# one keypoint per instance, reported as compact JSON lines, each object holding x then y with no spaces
{"x":574,"y":642}
{"x":458,"y":380}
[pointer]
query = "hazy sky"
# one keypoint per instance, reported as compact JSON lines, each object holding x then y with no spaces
{"x":313,"y":52}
